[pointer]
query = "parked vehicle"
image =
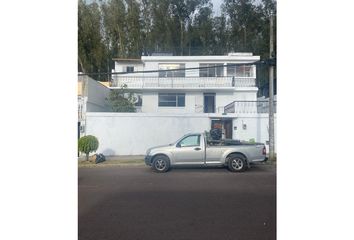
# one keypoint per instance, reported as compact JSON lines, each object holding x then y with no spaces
{"x":195,"y":149}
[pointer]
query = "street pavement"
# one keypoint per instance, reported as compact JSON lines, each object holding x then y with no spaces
{"x":211,"y":203}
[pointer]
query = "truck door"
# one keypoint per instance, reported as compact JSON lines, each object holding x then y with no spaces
{"x":190,"y":150}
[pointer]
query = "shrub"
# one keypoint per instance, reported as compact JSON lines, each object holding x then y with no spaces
{"x":88,"y":144}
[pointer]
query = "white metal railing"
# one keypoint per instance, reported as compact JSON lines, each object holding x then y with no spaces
{"x":182,"y":82}
{"x":248,"y":107}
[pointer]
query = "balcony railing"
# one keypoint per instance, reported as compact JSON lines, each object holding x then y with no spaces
{"x":182,"y":82}
{"x":249,"y":107}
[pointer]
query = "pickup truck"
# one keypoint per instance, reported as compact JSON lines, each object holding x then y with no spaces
{"x":195,"y":149}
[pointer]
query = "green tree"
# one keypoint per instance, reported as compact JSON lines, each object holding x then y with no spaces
{"x":203,"y":32}
{"x":88,"y":144}
{"x":121,"y":100}
{"x":92,"y":52}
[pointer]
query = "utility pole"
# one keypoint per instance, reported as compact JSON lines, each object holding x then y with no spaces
{"x":271,"y":93}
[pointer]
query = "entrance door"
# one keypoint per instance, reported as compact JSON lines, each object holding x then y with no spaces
{"x":228,"y":129}
{"x":209,"y":102}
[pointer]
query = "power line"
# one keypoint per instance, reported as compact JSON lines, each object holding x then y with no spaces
{"x":260,"y":62}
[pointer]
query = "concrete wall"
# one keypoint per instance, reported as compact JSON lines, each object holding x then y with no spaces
{"x":134,"y":133}
{"x":256,"y":127}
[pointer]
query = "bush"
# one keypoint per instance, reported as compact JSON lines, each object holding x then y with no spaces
{"x":88,"y":144}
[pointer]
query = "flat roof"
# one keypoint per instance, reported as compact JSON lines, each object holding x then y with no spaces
{"x":138,"y":60}
{"x":202,"y":58}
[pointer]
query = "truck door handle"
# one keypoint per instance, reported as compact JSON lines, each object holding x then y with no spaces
{"x":197,"y":149}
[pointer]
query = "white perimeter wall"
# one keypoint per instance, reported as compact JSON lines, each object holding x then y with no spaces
{"x":134,"y":133}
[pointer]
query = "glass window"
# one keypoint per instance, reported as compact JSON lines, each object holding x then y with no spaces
{"x":230,"y":70}
{"x":180,"y":100}
{"x":171,"y":100}
{"x":213,"y":70}
{"x":171,"y":66}
{"x":190,"y":141}
{"x":240,"y":70}
{"x":130,"y":69}
{"x":219,"y":70}
{"x":203,"y":72}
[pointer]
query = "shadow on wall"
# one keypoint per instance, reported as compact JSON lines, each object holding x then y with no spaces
{"x":108,"y":152}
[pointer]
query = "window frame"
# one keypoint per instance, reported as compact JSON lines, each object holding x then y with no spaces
{"x":131,"y":68}
{"x":168,"y":74}
{"x":212,"y":70}
{"x":237,"y":70}
{"x":176,"y":101}
{"x":199,"y":141}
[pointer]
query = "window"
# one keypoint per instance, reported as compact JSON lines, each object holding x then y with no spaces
{"x":130,"y":69}
{"x":190,"y":141}
{"x":171,"y":66}
{"x":240,"y":70}
{"x":215,"y":70}
{"x":171,"y":100}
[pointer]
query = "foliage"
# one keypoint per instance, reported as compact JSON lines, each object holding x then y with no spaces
{"x":121,"y":100}
{"x":93,"y":54}
{"x":88,"y":144}
{"x":132,"y":28}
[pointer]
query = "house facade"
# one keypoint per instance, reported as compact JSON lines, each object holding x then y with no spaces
{"x":177,"y":95}
{"x":205,"y":85}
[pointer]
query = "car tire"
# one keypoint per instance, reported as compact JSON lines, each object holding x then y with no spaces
{"x":161,"y":164}
{"x":237,"y":163}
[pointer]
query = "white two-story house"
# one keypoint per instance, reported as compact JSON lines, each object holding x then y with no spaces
{"x":206,"y":90}
{"x":206,"y":84}
{"x":177,"y":95}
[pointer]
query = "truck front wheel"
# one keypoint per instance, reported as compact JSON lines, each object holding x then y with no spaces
{"x":236,"y":163}
{"x":160,"y":163}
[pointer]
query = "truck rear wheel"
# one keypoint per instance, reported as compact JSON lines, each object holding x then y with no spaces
{"x":236,"y":163}
{"x":160,"y":163}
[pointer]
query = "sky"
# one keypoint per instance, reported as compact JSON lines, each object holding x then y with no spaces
{"x":216,"y":6}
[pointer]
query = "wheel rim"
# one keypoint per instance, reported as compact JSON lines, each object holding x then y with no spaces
{"x":237,"y":163}
{"x":160,"y":164}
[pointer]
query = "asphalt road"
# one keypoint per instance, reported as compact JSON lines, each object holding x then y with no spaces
{"x":136,"y":203}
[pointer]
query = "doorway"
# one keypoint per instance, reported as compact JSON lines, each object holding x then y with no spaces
{"x":209,"y":102}
{"x":225,"y":125}
{"x":228,"y":128}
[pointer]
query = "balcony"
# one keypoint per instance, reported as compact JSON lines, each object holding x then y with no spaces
{"x":249,"y":107}
{"x":182,"y":82}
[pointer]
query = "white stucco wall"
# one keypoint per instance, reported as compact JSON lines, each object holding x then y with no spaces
{"x":256,"y":127}
{"x":134,"y":133}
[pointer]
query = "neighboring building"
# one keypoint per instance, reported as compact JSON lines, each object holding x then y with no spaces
{"x":91,"y":98}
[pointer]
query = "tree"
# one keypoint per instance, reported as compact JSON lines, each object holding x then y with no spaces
{"x":88,"y":144}
{"x":121,"y":100}
{"x":92,"y":50}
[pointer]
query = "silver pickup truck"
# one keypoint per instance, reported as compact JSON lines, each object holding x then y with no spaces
{"x":195,"y":149}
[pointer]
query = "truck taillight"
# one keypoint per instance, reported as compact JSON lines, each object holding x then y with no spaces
{"x":264,"y":150}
